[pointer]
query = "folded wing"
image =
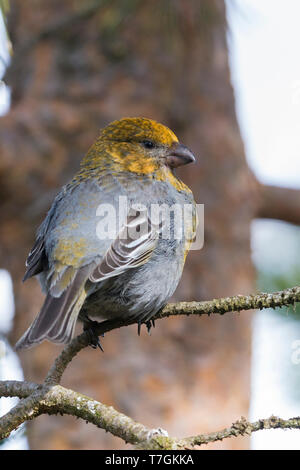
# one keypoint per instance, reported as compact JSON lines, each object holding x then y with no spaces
{"x":132,"y":247}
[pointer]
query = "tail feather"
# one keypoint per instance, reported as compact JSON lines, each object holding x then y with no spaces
{"x":57,"y":318}
{"x":63,"y":332}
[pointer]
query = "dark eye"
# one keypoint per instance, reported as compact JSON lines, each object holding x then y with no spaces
{"x":148,"y":144}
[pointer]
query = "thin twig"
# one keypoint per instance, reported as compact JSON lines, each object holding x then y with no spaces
{"x":240,"y":428}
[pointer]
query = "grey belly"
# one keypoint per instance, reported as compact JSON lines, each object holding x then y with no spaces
{"x":138,"y":293}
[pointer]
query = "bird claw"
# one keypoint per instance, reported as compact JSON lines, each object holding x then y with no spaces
{"x":95,"y":341}
{"x":149,"y":324}
{"x":90,"y":327}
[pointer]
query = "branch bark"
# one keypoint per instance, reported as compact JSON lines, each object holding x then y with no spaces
{"x":240,"y":428}
{"x":57,"y":399}
{"x":52,"y":398}
{"x":279,"y":203}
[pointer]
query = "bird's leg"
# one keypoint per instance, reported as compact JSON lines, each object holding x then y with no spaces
{"x":90,"y":326}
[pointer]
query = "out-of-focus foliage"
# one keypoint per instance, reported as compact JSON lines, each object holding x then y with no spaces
{"x":273,"y":281}
{"x":278,"y":262}
{"x":4,"y":5}
{"x":270,"y":282}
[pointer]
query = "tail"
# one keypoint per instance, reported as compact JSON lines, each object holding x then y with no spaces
{"x":57,"y":318}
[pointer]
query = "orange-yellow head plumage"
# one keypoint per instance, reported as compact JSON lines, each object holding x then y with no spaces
{"x":138,"y":145}
{"x":135,"y":130}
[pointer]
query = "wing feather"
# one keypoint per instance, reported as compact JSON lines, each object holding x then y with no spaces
{"x":132,"y":247}
{"x":37,"y":259}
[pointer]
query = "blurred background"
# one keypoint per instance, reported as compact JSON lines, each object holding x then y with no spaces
{"x":226,"y":78}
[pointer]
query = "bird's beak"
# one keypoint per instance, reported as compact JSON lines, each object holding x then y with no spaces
{"x":178,"y":155}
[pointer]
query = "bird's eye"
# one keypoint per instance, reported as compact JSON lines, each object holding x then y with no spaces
{"x":148,"y":144}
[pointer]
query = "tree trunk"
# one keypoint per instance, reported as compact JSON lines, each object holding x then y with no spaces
{"x":77,"y":66}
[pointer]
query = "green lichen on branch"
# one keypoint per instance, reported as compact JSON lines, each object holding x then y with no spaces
{"x":59,"y":400}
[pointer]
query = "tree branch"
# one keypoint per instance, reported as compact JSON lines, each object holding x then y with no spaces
{"x":16,"y":388}
{"x":51,"y":398}
{"x":27,"y":409}
{"x":240,"y":428}
{"x":207,"y":307}
{"x":279,"y":203}
{"x":57,"y":399}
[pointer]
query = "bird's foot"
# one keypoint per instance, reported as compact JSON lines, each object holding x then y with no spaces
{"x":90,"y":327}
{"x":149,"y":324}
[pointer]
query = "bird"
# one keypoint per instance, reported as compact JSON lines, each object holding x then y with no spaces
{"x":88,"y":275}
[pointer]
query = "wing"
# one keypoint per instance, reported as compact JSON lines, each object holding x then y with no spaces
{"x":63,"y":261}
{"x":132,"y":247}
{"x":61,"y":240}
{"x":37,"y":261}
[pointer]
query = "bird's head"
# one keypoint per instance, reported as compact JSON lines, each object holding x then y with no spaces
{"x":140,"y":146}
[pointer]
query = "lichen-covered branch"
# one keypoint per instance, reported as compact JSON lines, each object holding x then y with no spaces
{"x":16,"y":388}
{"x":57,"y":399}
{"x":233,"y":304}
{"x":51,"y":398}
{"x":207,"y":307}
{"x":28,"y":408}
{"x":240,"y":428}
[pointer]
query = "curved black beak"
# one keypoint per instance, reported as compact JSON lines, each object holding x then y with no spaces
{"x":178,"y":155}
